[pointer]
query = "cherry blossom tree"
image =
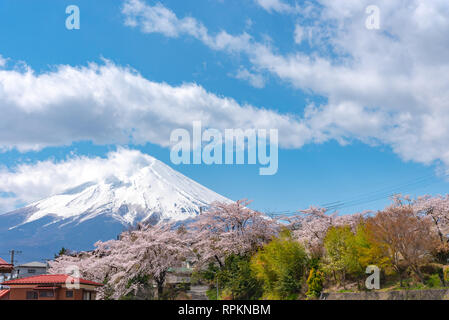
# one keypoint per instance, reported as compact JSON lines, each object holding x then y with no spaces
{"x":231,"y":228}
{"x":125,"y":264}
{"x":143,"y":256}
{"x":310,"y":226}
{"x":437,"y":208}
{"x":87,"y":265}
{"x":150,"y":251}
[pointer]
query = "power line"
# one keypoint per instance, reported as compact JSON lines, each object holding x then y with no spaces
{"x":388,"y":189}
{"x":376,"y":195}
{"x":379,"y":195}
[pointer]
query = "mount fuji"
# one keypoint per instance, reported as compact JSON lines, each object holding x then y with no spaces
{"x":102,"y":209}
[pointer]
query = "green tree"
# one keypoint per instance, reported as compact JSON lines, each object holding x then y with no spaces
{"x":281,"y":265}
{"x":349,"y":253}
{"x":315,"y":283}
{"x":62,"y":252}
{"x":236,"y":280}
{"x":370,"y":252}
{"x":342,"y":253}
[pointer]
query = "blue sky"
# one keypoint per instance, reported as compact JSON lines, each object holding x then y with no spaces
{"x":366,"y":110}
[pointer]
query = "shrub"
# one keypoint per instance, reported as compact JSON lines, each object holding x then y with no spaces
{"x":315,"y":283}
{"x":431,"y":268}
{"x":434,"y":269}
{"x":280,"y":266}
{"x":434,"y":281}
{"x":212,"y":294}
{"x":441,"y":252}
{"x":236,"y":280}
{"x":446,"y":274}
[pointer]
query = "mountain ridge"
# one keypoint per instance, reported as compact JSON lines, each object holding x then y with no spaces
{"x":99,"y":210}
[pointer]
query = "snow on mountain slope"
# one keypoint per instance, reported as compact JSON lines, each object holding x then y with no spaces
{"x":105,"y":196}
{"x":154,"y":193}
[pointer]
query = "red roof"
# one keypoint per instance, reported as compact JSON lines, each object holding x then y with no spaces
{"x":48,"y":279}
{"x":3,"y":262}
{"x":3,"y":293}
{"x":5,"y":266}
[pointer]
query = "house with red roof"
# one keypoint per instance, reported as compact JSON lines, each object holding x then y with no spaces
{"x":50,"y":287}
{"x":5,"y":267}
{"x":4,"y":294}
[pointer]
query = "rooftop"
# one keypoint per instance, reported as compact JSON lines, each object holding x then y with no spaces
{"x":48,"y":279}
{"x":5,"y":266}
{"x":34,"y":264}
{"x":3,"y":293}
{"x":3,"y":262}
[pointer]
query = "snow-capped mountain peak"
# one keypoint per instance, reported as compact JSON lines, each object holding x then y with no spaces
{"x":101,"y":200}
{"x":153,"y":193}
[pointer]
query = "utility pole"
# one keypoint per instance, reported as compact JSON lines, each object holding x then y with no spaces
{"x":13,"y":253}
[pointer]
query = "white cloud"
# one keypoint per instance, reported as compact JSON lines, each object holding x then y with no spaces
{"x":390,"y":85}
{"x":249,"y":23}
{"x":276,"y":5}
{"x":108,"y":104}
{"x":299,"y":34}
{"x":159,"y":19}
{"x":2,"y":61}
{"x":255,"y":79}
{"x":33,"y":182}
{"x":383,"y":86}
